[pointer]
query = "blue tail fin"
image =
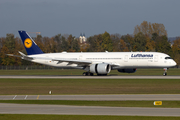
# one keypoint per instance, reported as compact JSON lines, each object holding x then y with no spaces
{"x":29,"y":44}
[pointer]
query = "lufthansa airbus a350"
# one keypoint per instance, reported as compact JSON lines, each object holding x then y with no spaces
{"x":100,"y":63}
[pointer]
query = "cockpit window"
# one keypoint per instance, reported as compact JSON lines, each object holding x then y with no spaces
{"x":168,"y":58}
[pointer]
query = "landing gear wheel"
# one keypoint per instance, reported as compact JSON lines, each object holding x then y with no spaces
{"x":164,"y":74}
{"x":91,"y":74}
{"x":84,"y":74}
{"x":87,"y":74}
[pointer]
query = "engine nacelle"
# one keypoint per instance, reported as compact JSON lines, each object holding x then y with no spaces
{"x":100,"y":68}
{"x":127,"y":70}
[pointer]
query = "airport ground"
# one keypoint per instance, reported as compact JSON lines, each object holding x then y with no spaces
{"x":70,"y":72}
{"x":89,"y":87}
{"x":80,"y":117}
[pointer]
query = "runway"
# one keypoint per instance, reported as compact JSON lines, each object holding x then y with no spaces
{"x":86,"y":77}
{"x":85,"y":110}
{"x":89,"y":110}
{"x":171,"y":97}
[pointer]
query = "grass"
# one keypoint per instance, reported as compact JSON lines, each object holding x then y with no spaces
{"x":88,"y":86}
{"x":80,"y":117}
{"x":166,"y":104}
{"x":171,"y":71}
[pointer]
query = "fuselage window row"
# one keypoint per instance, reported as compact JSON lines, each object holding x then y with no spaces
{"x":101,"y":58}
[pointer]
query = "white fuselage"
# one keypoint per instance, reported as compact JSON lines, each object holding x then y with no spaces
{"x":117,"y":59}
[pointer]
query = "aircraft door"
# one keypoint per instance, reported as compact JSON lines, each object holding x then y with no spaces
{"x":126,"y":58}
{"x":156,"y":58}
{"x":80,"y":57}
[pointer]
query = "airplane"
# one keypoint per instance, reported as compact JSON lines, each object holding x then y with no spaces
{"x":100,"y":63}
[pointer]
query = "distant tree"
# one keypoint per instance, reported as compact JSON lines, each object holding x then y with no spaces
{"x":123,"y":46}
{"x":70,"y":41}
{"x":73,"y":44}
{"x":107,"y":42}
{"x":163,"y":45}
{"x":8,"y":48}
{"x":115,"y":41}
{"x":95,"y":43}
{"x":139,"y":42}
{"x":58,"y":40}
{"x":76,"y":46}
{"x":10,"y":42}
{"x":144,"y":28}
{"x":6,"y":60}
{"x":39,"y":41}
{"x":129,"y":40}
{"x":1,"y":42}
{"x":159,"y":29}
{"x":92,"y":44}
{"x":99,"y":42}
{"x":18,"y":47}
{"x":176,"y":50}
{"x":148,"y":29}
{"x":50,"y":45}
{"x":154,"y":36}
{"x":64,"y":44}
{"x":150,"y":45}
{"x":1,"y":45}
{"x":84,"y":47}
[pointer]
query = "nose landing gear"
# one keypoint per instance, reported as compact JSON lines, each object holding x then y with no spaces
{"x":165,"y":71}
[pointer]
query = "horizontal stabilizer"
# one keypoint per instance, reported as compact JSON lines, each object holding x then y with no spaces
{"x":13,"y":55}
{"x":22,"y":57}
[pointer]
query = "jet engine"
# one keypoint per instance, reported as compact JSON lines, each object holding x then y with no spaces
{"x":100,"y":68}
{"x":127,"y":70}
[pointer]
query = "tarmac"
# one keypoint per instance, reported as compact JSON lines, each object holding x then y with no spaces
{"x":85,"y":110}
{"x":121,"y":97}
{"x":86,"y":77}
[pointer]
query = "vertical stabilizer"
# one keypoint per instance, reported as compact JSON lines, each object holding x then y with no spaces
{"x":29,"y":44}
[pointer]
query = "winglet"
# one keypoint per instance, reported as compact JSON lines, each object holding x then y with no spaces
{"x":29,"y":44}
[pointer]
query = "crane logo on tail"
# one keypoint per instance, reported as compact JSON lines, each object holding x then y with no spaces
{"x":28,"y":43}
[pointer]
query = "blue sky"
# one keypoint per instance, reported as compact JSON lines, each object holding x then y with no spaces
{"x":51,"y":17}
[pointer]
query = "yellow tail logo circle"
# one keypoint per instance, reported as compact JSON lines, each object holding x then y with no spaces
{"x":27,"y":43}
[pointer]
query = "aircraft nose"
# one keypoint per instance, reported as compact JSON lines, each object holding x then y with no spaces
{"x":174,"y":63}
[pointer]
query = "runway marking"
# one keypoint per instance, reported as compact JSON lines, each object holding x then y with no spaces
{"x":98,"y":97}
{"x":38,"y":97}
{"x":26,"y":97}
{"x":14,"y":97}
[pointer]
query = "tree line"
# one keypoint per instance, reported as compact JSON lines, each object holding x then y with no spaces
{"x":147,"y":37}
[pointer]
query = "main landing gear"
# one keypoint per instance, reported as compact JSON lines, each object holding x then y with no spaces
{"x":88,"y":74}
{"x":165,"y":71}
{"x":91,"y":74}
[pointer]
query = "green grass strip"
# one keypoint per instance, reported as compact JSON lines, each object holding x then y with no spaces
{"x":88,"y":86}
{"x":80,"y":117}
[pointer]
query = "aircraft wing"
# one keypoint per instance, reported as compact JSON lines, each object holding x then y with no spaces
{"x":82,"y":62}
{"x":72,"y":61}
